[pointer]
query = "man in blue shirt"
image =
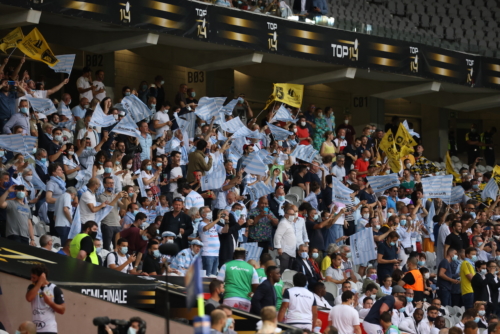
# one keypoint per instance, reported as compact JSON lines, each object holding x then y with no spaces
{"x":146,"y":141}
{"x":8,"y":99}
{"x":387,"y":255}
{"x":392,"y":198}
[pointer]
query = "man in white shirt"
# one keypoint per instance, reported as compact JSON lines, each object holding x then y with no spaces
{"x":344,"y":317}
{"x":161,"y":121}
{"x":175,"y":174}
{"x":88,"y":202}
{"x":99,"y":90}
{"x":319,"y":295}
{"x":285,"y":241}
{"x":299,"y":304}
{"x":62,"y":213}
{"x":119,"y":260}
{"x":84,"y":84}
{"x":193,"y":199}
{"x":88,"y":132}
{"x":300,"y":228}
{"x":339,"y":170}
{"x":371,"y":291}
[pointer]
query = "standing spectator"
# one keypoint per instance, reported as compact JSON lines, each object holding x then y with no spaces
{"x":146,"y":141}
{"x":18,"y":216}
{"x":303,"y":135}
{"x":84,"y":84}
{"x":178,"y":222}
{"x":339,"y":170}
{"x":265,"y":294}
{"x":349,"y":129}
{"x":285,"y":240}
{"x":240,"y":280}
{"x":193,"y":199}
{"x":119,"y":260}
{"x":446,"y":277}
{"x":82,"y":246}
{"x":473,"y":141}
{"x":467,"y":272}
{"x":344,"y":317}
{"x":209,"y":230}
{"x":20,"y":118}
{"x":197,"y":160}
{"x":110,"y":224}
{"x":55,"y":188}
{"x":161,"y":120}
{"x":371,"y":324}
{"x":63,"y":213}
{"x":80,"y":109}
{"x":387,"y":255}
{"x":260,"y":224}
{"x":88,"y":202}
{"x":46,"y":300}
{"x":137,"y":237}
{"x":8,"y":98}
{"x":152,"y":264}
{"x":216,"y":289}
{"x":299,"y":305}
{"x":99,"y":90}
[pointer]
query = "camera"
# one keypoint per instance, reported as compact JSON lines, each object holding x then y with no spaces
{"x":121,"y":326}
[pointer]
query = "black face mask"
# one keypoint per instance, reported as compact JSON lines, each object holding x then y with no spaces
{"x":431,"y":318}
{"x":93,"y":235}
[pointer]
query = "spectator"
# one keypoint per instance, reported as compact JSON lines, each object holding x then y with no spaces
{"x":218,"y":321}
{"x":46,"y":299}
{"x":178,"y":222}
{"x":285,"y":240}
{"x":46,"y":242}
{"x":467,"y":272}
{"x":18,"y":216}
{"x":216,"y":289}
{"x":152,"y":264}
{"x":371,"y":324}
{"x":302,"y":264}
{"x":447,"y":277}
{"x":63,"y":213}
{"x":110,"y":224}
{"x":299,"y":307}
{"x":269,"y":316}
{"x":183,"y":260}
{"x":265,"y":294}
{"x":344,"y":317}
{"x":82,"y":246}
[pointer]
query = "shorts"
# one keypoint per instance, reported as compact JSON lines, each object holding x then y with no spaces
{"x":238,"y":303}
{"x":372,"y":328}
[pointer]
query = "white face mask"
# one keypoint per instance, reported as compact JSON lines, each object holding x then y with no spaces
{"x":303,"y":123}
{"x":346,"y":121}
{"x":294,"y":130}
{"x":427,"y":275}
{"x":28,"y":178}
{"x":129,"y":166}
{"x":366,"y":215}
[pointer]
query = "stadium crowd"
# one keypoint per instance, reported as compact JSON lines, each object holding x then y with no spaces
{"x":436,"y":265}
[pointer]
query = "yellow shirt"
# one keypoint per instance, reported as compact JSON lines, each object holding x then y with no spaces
{"x":465,"y":269}
{"x":325,"y":264}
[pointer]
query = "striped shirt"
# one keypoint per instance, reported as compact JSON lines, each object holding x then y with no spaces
{"x":193,"y":199}
{"x":210,"y":239}
{"x":183,"y":260}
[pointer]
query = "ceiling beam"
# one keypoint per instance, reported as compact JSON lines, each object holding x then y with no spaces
{"x":478,"y":104}
{"x":123,"y":44}
{"x":20,"y":19}
{"x":340,"y":75}
{"x":250,"y":59}
{"x":430,"y":87}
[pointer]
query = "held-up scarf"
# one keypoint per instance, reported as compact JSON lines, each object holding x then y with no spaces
{"x":59,"y":182}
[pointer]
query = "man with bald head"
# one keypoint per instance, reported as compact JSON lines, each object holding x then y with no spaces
{"x":27,"y":327}
{"x":218,"y":320}
{"x":88,"y":202}
{"x":79,"y":110}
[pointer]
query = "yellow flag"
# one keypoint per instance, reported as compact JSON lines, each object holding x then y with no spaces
{"x":290,"y":94}
{"x":10,"y":41}
{"x":387,"y":141}
{"x":388,"y":145}
{"x":35,"y":47}
{"x":496,"y":174}
{"x":405,"y":141}
{"x":450,"y":170}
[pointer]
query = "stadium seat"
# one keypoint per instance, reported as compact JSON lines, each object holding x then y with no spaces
{"x":439,"y":31}
{"x":332,"y":288}
{"x":434,"y":21}
{"x":448,"y":321}
{"x":298,"y":191}
{"x":288,"y":275}
{"x":473,"y":46}
{"x":292,"y":198}
{"x":459,"y":33}
{"x":424,"y":21}
{"x":450,"y":33}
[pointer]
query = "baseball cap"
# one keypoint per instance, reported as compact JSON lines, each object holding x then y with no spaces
{"x":167,"y":234}
{"x":398,"y":289}
{"x":197,"y":242}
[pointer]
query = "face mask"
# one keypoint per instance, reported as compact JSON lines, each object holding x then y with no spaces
{"x":393,"y":243}
{"x":427,"y":275}
{"x":28,"y":178}
{"x":316,"y":216}
{"x":408,"y":166}
{"x":474,"y":258}
{"x":153,"y":106}
{"x":71,"y":152}
{"x":479,"y":244}
{"x":421,"y":263}
{"x":497,"y":257}
{"x":93,"y":235}
{"x":58,"y":138}
{"x":108,"y":170}
{"x":98,"y":250}
{"x":315,"y":255}
{"x":389,"y":214}
{"x":346,"y":121}
{"x":483,"y":271}
{"x":124,"y":250}
{"x":291,"y":219}
{"x":156,"y":253}
{"x":136,"y":212}
{"x":129,"y":166}
{"x":193,"y":94}
{"x":162,"y":82}
{"x":127,"y":93}
{"x":18,"y":332}
{"x":481,"y":313}
{"x":110,"y":190}
{"x":342,"y":137}
{"x":131,"y":330}
{"x":366,"y":159}
{"x":281,"y":198}
{"x":88,"y":148}
{"x":20,"y":194}
{"x":294,"y":130}
{"x":209,"y":215}
{"x":170,"y":241}
{"x":24,"y":110}
{"x":144,"y":237}
{"x":86,"y":106}
{"x":431,"y":318}
{"x":115,"y":116}
{"x":402,"y":310}
{"x":476,"y":319}
{"x":366,"y":215}
{"x":473,"y":214}
{"x":2,"y":153}
{"x":303,"y":123}
{"x":373,"y":277}
{"x":377,"y":227}
{"x":303,"y":255}
{"x":317,"y":330}
{"x":348,"y":255}
{"x":320,"y":115}
{"x":455,"y":257}
{"x":475,"y":186}
{"x":402,"y":222}
{"x":480,"y":179}
{"x":409,"y":299}
{"x":148,"y":167}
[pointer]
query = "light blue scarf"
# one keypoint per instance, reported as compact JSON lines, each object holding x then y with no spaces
{"x":42,"y":165}
{"x":59,"y":182}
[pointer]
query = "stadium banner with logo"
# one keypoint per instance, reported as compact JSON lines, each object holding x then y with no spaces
{"x":34,"y":46}
{"x":274,"y":35}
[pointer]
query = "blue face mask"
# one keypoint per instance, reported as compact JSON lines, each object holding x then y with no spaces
{"x":316,"y":216}
{"x":401,"y":310}
{"x":124,"y":250}
{"x":402,"y":222}
{"x":20,"y":194}
{"x":342,"y":137}
{"x":144,"y":237}
{"x":473,"y":214}
{"x":303,"y":255}
{"x":393,"y":243}
{"x":479,"y":244}
{"x":24,"y":110}
{"x":409,"y":299}
{"x":421,"y":263}
{"x":197,"y":220}
{"x":229,"y":321}
{"x":281,"y":198}
{"x":127,"y":93}
{"x":237,"y":213}
{"x":455,"y":257}
{"x":149,"y":167}
{"x":474,"y":258}
{"x":42,"y":160}
{"x":156,"y":253}
{"x":476,"y":319}
{"x":136,"y":212}
{"x":2,"y":153}
{"x":108,"y":170}
{"x":266,"y":210}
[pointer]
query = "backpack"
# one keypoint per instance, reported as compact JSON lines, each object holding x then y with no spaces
{"x":116,"y":259}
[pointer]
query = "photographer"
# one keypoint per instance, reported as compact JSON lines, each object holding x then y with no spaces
{"x":18,"y":213}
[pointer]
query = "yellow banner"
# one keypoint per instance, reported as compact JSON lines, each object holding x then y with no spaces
{"x":290,"y":94}
{"x":10,"y":41}
{"x":388,"y":145}
{"x":35,"y":47}
{"x":496,"y":174}
{"x":405,"y":141}
{"x":450,"y":170}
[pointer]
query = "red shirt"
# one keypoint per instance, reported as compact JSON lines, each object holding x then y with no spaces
{"x":135,"y":241}
{"x":303,"y":133}
{"x":361,"y":165}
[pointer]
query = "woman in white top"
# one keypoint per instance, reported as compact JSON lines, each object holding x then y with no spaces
{"x":128,"y":176}
{"x":98,"y":168}
{"x":405,"y":231}
{"x":71,"y":164}
{"x":148,"y":178}
{"x":27,"y":177}
{"x":116,"y":159}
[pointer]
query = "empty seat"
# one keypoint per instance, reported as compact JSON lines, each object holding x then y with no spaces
{"x":473,"y":47}
{"x":479,"y":3}
{"x":488,"y":53}
{"x":400,"y":8}
{"x":430,"y":10}
{"x":482,"y":45}
{"x":434,"y":21}
{"x":469,"y":33}
{"x":459,"y":33}
{"x":439,"y":31}
{"x":485,"y":13}
{"x":452,"y":12}
{"x":391,"y":6}
{"x":491,"y":4}
{"x":445,"y":21}
{"x":456,"y":2}
{"x":463,"y":12}
{"x":450,"y":33}
{"x":415,"y":19}
{"x":457,"y":22}
{"x":474,"y":13}
{"x":410,"y":9}
{"x":464,"y":44}
{"x":440,"y":10}
{"x":467,"y":23}
{"x":491,"y":35}
{"x":424,"y":21}
{"x":480,"y":24}
{"x":479,"y":35}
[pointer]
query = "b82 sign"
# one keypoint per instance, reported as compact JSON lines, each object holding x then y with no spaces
{"x":195,"y":77}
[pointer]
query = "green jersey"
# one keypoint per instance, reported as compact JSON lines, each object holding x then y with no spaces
{"x":262,"y":274}
{"x":238,"y":278}
{"x":279,"y":293}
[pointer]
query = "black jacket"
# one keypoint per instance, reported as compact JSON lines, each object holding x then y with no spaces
{"x":312,"y":277}
{"x":490,"y":282}
{"x":265,"y":295}
{"x":479,"y":286}
{"x":274,"y":206}
{"x":228,"y":239}
{"x":174,"y":224}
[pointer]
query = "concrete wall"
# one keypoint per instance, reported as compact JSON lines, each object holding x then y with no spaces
{"x":80,"y":310}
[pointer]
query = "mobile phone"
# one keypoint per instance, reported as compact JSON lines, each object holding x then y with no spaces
{"x":207,"y":151}
{"x":11,"y":83}
{"x":487,"y":228}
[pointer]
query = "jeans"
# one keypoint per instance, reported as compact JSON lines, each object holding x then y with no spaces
{"x":52,"y":223}
{"x":210,"y":264}
{"x":184,"y":169}
{"x":468,"y":300}
{"x":350,"y":230}
{"x":19,"y":238}
{"x":286,"y":262}
{"x":108,"y":235}
{"x":63,"y":232}
{"x":445,"y":296}
{"x":338,"y":232}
